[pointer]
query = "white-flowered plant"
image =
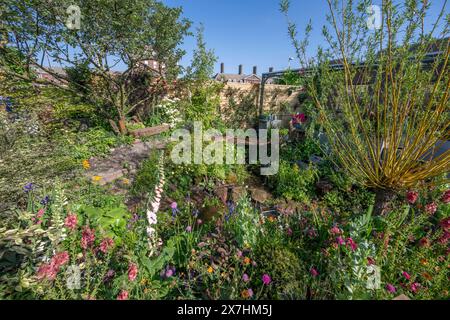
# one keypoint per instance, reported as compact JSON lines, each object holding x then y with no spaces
{"x":152,"y":209}
{"x":169,"y":111}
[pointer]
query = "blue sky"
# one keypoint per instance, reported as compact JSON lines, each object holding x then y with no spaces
{"x":254,"y":32}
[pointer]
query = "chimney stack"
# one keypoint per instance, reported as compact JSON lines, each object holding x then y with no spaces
{"x":240,"y":69}
{"x":271,"y":69}
{"x":222,"y":68}
{"x":255,"y":70}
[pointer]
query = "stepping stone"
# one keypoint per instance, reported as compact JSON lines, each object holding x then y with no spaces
{"x":147,"y":132}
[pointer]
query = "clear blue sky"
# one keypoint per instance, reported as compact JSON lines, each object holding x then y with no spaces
{"x":254,"y":32}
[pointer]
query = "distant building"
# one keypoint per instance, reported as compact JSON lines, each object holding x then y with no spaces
{"x":237,"y":78}
{"x":51,"y":76}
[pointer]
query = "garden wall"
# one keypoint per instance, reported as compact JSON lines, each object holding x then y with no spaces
{"x":239,"y":102}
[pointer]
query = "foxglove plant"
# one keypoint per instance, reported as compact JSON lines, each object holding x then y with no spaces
{"x":153,"y":208}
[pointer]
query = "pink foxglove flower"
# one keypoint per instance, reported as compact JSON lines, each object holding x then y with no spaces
{"x":132,"y":271}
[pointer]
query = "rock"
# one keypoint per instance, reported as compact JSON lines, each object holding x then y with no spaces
{"x":222,"y":193}
{"x":260,"y":195}
{"x":110,"y":176}
{"x":238,"y":193}
{"x":315,"y":159}
{"x":323,"y":186}
{"x":147,"y":132}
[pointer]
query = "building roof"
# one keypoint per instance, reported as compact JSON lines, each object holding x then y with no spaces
{"x":232,"y":77}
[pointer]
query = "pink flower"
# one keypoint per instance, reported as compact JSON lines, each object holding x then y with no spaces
{"x":412,"y":196}
{"x":106,"y":244}
{"x":415,"y":287}
{"x":173,"y":205}
{"x":188,"y":229}
{"x":340,"y":241}
{"x":71,"y":221}
{"x":445,"y":237}
{"x":406,"y":275}
{"x":50,"y":270}
{"x":445,"y":224}
{"x":245,"y":277}
{"x":60,"y":259}
{"x":47,"y":271}
{"x":289,"y":232}
{"x":40,"y":213}
{"x":314,"y":272}
{"x":87,"y":237}
{"x":335,"y":230}
{"x":123,"y":295}
{"x":352,"y":244}
{"x":266,"y":279}
{"x":199,"y":221}
{"x":370,"y":261}
{"x":431,"y":208}
{"x":391,"y":288}
{"x":132,"y":271}
{"x":250,"y":293}
{"x":446,"y":197}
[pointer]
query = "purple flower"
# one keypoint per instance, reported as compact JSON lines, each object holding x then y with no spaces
{"x":390,"y":288}
{"x":250,"y":293}
{"x":174,"y":205}
{"x":188,"y":229}
{"x":175,"y":210}
{"x":245,"y":277}
{"x":266,"y":279}
{"x":28,"y":187}
{"x":168,"y":272}
{"x":289,"y":232}
{"x":45,"y":200}
{"x":340,"y":241}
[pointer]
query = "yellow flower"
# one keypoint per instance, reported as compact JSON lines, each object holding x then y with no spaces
{"x":96,"y":178}
{"x":86,"y":164}
{"x":272,"y":219}
{"x":210,"y":269}
{"x":126,"y":181}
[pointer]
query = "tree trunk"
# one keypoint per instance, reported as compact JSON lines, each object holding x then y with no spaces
{"x":383,"y":197}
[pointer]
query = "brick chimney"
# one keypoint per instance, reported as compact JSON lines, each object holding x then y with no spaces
{"x":271,"y":69}
{"x":255,"y":70}
{"x":222,"y":68}
{"x":240,"y":69}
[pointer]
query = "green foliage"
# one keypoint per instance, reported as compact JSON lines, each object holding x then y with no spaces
{"x":294,"y":183}
{"x":243,"y":223}
{"x":147,"y":176}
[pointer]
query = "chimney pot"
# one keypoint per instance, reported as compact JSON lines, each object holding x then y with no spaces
{"x":240,"y":69}
{"x":255,"y":70}
{"x":222,"y":68}
{"x":271,"y":69}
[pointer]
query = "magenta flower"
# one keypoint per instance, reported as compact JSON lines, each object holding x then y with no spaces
{"x":340,"y":241}
{"x":314,"y":272}
{"x":415,"y":287}
{"x":391,"y":288}
{"x":406,"y":275}
{"x":412,"y":196}
{"x":266,"y":279}
{"x":174,"y":205}
{"x":352,"y":244}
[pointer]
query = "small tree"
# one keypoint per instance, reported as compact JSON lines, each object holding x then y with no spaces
{"x":111,"y":34}
{"x":383,"y":98}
